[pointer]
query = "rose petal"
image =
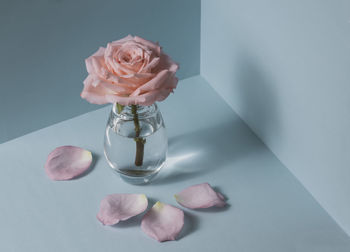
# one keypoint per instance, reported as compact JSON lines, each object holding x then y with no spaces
{"x":115,"y":88}
{"x":200,"y":196}
{"x":148,"y":68}
{"x":95,"y":62}
{"x":94,"y":94}
{"x":137,"y":79}
{"x":129,"y":71}
{"x":163,"y":222}
{"x":120,"y":207}
{"x":167,"y":63}
{"x":110,"y":56}
{"x":123,"y":40}
{"x":146,"y":99}
{"x":153,"y":84}
{"x":164,"y":81}
{"x":120,"y":66}
{"x":105,"y":75}
{"x":67,"y":162}
{"x":155,"y":47}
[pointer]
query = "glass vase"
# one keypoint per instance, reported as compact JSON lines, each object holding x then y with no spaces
{"x":135,"y":143}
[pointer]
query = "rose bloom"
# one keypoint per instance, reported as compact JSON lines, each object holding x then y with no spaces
{"x":129,"y":71}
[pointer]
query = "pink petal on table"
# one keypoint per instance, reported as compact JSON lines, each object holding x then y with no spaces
{"x":120,"y":207}
{"x":163,"y":222}
{"x":67,"y":162}
{"x":200,"y":196}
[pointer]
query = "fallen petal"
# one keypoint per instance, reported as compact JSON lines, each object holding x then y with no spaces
{"x":67,"y":162}
{"x":200,"y":196}
{"x":120,"y":207}
{"x":163,"y":222}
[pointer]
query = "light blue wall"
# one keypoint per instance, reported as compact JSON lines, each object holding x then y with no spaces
{"x":284,"y":66}
{"x":43,"y":44}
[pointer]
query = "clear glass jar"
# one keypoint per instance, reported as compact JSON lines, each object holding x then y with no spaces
{"x":136,"y":143}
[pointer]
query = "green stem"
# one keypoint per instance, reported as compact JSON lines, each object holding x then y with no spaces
{"x":119,"y":107}
{"x":140,"y":142}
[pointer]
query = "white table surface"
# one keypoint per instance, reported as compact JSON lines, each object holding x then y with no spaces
{"x":269,"y":210}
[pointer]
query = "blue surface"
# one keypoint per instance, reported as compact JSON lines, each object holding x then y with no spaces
{"x":269,"y":210}
{"x":44,"y":43}
{"x":283,"y":66}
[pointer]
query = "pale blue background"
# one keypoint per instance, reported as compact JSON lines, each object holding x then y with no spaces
{"x":268,"y":209}
{"x":284,"y":67}
{"x":44,"y":43}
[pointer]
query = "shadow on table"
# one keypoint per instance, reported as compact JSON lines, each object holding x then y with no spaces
{"x":207,"y":150}
{"x":191,"y":223}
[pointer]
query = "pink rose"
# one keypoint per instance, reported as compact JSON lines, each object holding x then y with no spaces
{"x":129,"y":71}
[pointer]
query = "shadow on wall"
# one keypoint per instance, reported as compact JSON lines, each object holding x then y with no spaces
{"x":206,"y":151}
{"x":258,"y":103}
